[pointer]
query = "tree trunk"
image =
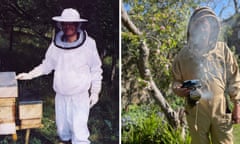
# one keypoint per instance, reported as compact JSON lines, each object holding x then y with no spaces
{"x":145,"y":72}
{"x":236,"y":6}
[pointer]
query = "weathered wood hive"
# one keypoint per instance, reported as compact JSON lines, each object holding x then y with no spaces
{"x":8,"y":95}
{"x":30,"y":110}
{"x":13,"y":108}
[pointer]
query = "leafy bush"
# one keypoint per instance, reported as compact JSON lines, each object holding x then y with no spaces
{"x":146,"y":124}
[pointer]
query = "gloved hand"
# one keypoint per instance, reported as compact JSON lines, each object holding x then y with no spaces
{"x":177,"y":88}
{"x":32,"y":74}
{"x":236,"y":113}
{"x":93,"y":99}
{"x":24,"y":76}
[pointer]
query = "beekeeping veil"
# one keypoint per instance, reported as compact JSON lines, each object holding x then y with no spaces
{"x":203,"y":17}
{"x":68,"y":15}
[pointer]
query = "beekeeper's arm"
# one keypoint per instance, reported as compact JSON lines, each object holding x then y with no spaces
{"x":96,"y":76}
{"x":233,"y":83}
{"x":45,"y":68}
{"x":177,"y":80}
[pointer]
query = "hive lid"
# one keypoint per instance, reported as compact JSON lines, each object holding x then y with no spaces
{"x":8,"y":84}
{"x":7,"y":79}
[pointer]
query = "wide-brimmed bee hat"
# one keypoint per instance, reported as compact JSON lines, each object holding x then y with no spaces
{"x":69,"y":15}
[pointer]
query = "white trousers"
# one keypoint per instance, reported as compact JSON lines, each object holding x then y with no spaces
{"x":71,"y":117}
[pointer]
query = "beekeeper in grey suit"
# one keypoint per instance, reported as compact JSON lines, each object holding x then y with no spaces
{"x":77,"y":71}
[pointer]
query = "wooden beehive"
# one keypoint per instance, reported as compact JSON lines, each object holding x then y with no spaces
{"x":31,"y":123}
{"x":8,"y":94}
{"x":30,"y":109}
{"x":7,"y":116}
{"x":7,"y":110}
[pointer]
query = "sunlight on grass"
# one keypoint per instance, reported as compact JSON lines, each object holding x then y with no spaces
{"x":236,"y":133}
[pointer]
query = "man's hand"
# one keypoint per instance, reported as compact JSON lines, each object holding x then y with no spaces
{"x":177,"y":88}
{"x":93,"y":100}
{"x":36,"y":72}
{"x":24,"y":76}
{"x":236,"y":113}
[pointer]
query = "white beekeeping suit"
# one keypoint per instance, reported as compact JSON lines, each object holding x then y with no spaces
{"x":77,"y":71}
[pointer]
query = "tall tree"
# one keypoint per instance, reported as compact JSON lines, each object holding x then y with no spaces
{"x":236,"y":6}
{"x":153,"y":32}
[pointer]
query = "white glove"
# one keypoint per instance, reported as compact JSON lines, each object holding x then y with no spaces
{"x":32,"y":74}
{"x":24,"y":76}
{"x":93,"y":99}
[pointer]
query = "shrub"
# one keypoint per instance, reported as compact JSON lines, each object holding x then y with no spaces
{"x":146,"y":124}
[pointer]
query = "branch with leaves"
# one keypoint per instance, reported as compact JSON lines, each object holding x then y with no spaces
{"x":145,"y":72}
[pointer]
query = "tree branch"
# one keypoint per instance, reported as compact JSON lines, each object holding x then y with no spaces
{"x":128,"y":23}
{"x":21,"y":12}
{"x":236,"y":6}
{"x":145,"y":72}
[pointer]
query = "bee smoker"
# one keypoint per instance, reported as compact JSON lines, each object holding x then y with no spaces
{"x":194,"y":96}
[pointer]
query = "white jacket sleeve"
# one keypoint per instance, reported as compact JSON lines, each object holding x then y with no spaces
{"x":96,"y":71}
{"x":47,"y":64}
{"x":44,"y":68}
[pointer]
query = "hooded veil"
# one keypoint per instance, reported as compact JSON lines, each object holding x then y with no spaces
{"x":196,"y":19}
{"x":69,"y":15}
{"x":59,"y":41}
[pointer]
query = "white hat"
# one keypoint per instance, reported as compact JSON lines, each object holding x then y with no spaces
{"x":69,"y":15}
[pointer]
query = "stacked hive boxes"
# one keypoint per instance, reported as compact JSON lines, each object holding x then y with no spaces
{"x":29,"y":109}
{"x":8,"y":94}
{"x":29,"y":106}
{"x":30,"y":114}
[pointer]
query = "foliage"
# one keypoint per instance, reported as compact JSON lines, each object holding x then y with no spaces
{"x":35,"y":141}
{"x":163,"y":24}
{"x":145,"y":124}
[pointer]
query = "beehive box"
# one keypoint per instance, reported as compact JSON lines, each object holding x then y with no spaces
{"x":31,"y":123}
{"x":30,"y":114}
{"x":7,"y":116}
{"x":8,"y":94}
{"x":7,"y":110}
{"x":30,"y":110}
{"x":8,"y":84}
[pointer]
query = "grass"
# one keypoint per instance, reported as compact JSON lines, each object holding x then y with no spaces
{"x":236,"y":132}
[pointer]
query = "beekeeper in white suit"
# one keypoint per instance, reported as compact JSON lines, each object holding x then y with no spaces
{"x":74,"y":57}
